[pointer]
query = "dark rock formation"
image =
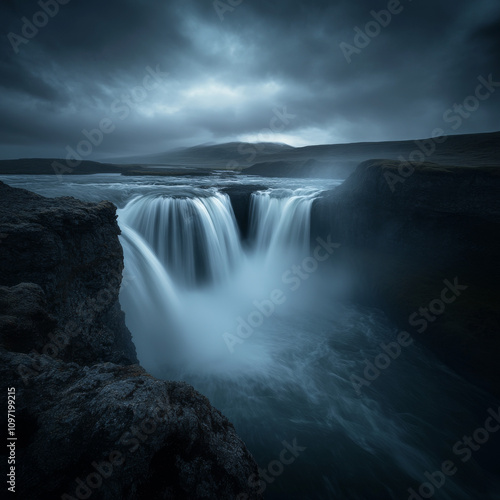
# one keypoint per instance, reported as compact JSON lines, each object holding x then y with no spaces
{"x":401,"y":243}
{"x":122,"y":433}
{"x":90,"y":422}
{"x":70,"y":249}
{"x":240,"y":197}
{"x":439,"y":213}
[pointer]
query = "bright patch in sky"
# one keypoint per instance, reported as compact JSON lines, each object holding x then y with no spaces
{"x":214,"y":93}
{"x":298,"y":139}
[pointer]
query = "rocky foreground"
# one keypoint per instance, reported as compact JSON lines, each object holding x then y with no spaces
{"x":90,"y":422}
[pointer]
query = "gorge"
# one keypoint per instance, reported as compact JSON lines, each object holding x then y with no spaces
{"x":271,"y":298}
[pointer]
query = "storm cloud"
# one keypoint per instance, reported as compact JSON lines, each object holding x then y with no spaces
{"x":158,"y":75}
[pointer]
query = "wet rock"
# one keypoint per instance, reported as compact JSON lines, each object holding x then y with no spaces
{"x":90,"y":422}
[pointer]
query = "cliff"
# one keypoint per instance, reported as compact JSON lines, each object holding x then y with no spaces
{"x":89,"y":420}
{"x":404,"y":229}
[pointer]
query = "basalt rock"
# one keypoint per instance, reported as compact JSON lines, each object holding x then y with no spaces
{"x":90,"y":422}
{"x":428,"y":211}
{"x":70,"y":250}
{"x":406,"y":228}
{"x":114,"y":431}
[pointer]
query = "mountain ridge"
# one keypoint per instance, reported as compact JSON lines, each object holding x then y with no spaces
{"x":282,"y":160}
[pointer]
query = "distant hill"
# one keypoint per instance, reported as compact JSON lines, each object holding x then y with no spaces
{"x":330,"y":160}
{"x":230,"y":155}
{"x":281,"y":160}
{"x":339,"y":160}
{"x":51,"y":166}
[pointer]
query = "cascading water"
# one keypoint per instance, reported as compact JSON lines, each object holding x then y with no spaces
{"x":194,"y":233}
{"x":281,"y":370}
{"x":195,"y":238}
{"x":280,"y":219}
{"x":201,"y":310}
{"x":147,"y":292}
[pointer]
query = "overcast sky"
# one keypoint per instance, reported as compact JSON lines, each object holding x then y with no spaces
{"x":158,"y":74}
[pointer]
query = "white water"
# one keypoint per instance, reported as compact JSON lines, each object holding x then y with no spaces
{"x":145,"y":277}
{"x":193,"y":234}
{"x":196,"y":242}
{"x":290,"y":378}
{"x":281,"y":218}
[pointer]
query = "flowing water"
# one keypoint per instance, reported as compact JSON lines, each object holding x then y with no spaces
{"x":262,"y":328}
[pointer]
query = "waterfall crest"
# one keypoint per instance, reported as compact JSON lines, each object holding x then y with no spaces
{"x":281,"y":218}
{"x":193,"y":234}
{"x":175,"y":242}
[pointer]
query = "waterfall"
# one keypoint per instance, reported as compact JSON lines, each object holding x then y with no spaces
{"x":194,"y":233}
{"x":289,"y":376}
{"x":280,"y":220}
{"x":290,"y":360}
{"x":175,"y":241}
{"x":149,"y":297}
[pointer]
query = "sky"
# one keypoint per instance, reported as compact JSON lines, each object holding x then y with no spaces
{"x":125,"y":77}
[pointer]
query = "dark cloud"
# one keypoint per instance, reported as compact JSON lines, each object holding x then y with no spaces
{"x":226,"y":78}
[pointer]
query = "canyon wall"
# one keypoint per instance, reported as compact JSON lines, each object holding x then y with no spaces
{"x":91,"y":423}
{"x":406,"y":229}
